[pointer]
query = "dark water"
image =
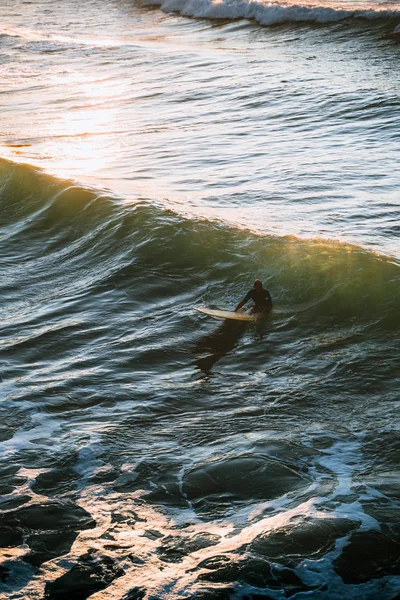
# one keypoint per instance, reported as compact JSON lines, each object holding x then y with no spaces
{"x":162,"y":452}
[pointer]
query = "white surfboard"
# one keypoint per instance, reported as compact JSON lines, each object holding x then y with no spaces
{"x":226,"y":314}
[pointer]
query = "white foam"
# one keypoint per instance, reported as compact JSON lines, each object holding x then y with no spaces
{"x":270,"y":13}
{"x":41,"y":427}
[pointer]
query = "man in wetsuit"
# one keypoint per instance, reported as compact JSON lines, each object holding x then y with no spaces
{"x":261,"y":298}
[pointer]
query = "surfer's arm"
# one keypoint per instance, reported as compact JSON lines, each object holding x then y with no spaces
{"x":242,"y":303}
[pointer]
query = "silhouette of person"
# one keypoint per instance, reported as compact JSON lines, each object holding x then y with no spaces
{"x":261,"y":298}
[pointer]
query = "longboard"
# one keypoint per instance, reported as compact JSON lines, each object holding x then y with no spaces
{"x":226,"y":314}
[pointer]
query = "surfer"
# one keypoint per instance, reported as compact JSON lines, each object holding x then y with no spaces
{"x":260,"y":296}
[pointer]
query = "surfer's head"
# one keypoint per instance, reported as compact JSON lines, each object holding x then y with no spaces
{"x":257,"y":284}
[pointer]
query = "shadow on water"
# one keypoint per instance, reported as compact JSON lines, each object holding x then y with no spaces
{"x":218,"y":343}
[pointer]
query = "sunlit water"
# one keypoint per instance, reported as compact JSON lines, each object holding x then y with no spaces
{"x":155,"y":158}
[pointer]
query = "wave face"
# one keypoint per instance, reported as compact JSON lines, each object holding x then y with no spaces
{"x":150,"y":452}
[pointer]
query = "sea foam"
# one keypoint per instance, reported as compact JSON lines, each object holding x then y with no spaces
{"x":271,"y":13}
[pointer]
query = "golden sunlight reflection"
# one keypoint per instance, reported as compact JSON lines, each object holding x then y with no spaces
{"x":78,"y":142}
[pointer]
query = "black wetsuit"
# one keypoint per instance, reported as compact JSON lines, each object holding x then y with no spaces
{"x":261,"y":298}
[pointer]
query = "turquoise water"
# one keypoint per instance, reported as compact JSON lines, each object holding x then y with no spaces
{"x":153,"y":162}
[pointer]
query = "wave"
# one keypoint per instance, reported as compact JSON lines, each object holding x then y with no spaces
{"x":63,"y":240}
{"x":273,"y":13}
{"x":265,"y":13}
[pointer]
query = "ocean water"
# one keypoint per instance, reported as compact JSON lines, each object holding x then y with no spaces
{"x":159,"y":156}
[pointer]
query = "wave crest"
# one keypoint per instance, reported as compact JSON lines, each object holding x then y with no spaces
{"x":271,"y":13}
{"x":76,"y":238}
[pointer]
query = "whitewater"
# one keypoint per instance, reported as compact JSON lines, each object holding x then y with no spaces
{"x":160,"y":156}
